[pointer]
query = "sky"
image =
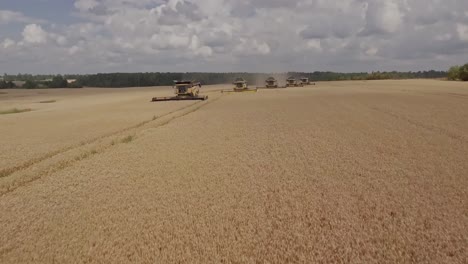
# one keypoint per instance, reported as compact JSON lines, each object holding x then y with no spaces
{"x":90,"y":36}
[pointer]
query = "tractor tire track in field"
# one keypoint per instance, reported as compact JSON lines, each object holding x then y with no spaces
{"x":13,"y":178}
{"x":8,"y":171}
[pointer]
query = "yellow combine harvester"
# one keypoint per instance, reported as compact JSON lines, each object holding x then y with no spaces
{"x":271,"y":83}
{"x":240,"y":85}
{"x":305,"y":81}
{"x":292,"y":82}
{"x":184,"y":90}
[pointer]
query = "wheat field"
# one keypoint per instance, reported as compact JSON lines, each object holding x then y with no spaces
{"x":340,"y":172}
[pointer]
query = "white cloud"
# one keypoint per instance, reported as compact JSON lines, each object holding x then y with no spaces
{"x":61,"y":40}
{"x":233,"y":35}
{"x":7,"y":43}
{"x":462,"y":31}
{"x":314,"y":44}
{"x":204,"y":51}
{"x":73,"y":50}
{"x":382,"y":17}
{"x":7,"y":17}
{"x":85,"y":5}
{"x":372,"y":51}
{"x":170,"y":41}
{"x":248,"y":47}
{"x":199,"y":50}
{"x":443,"y":37}
{"x":34,"y":33}
{"x":262,"y":47}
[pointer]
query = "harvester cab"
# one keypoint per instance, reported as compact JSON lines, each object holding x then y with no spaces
{"x":184,"y":90}
{"x":292,"y":82}
{"x":306,"y":81}
{"x":240,"y":85}
{"x":187,"y":88}
{"x":271,"y":82}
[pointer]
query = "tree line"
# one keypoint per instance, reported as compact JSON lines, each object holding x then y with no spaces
{"x":7,"y":85}
{"x":164,"y":79}
{"x":456,"y":73}
{"x":167,"y":78}
{"x":393,"y":75}
{"x":36,"y":81}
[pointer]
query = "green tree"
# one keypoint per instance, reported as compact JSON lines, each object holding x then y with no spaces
{"x":7,"y":85}
{"x":75,"y":84}
{"x":30,"y":84}
{"x":463,"y":74}
{"x":58,"y":82}
{"x":11,"y":85}
{"x":454,"y":73}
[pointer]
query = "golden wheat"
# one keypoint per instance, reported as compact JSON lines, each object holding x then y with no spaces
{"x":343,"y":172}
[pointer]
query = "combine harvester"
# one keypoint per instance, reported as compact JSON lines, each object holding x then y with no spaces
{"x":271,"y":83}
{"x":305,"y":81}
{"x":240,"y":85}
{"x":185,"y":91}
{"x":292,"y":82}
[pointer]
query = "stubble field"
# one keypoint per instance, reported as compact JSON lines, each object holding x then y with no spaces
{"x":341,"y":172}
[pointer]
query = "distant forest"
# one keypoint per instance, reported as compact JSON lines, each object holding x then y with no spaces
{"x":167,"y":78}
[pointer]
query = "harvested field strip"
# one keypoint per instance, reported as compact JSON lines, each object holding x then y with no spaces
{"x":7,"y":171}
{"x":15,"y":111}
{"x":59,"y":160}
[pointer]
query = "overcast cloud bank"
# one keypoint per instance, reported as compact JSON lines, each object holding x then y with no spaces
{"x":230,"y":35}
